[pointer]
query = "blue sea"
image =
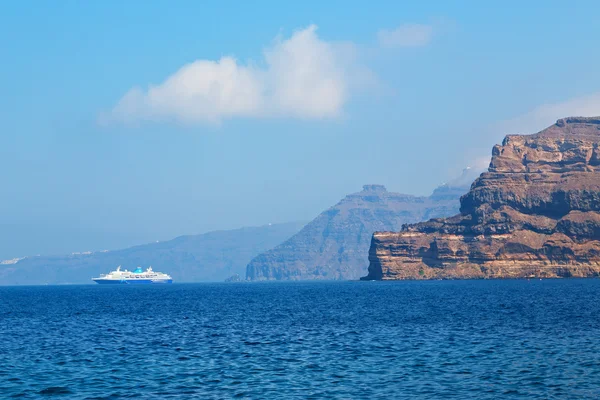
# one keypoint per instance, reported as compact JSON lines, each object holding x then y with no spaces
{"x":325,"y":340}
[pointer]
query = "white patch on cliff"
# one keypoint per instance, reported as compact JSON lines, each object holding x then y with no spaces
{"x":470,"y":173}
{"x":11,"y":261}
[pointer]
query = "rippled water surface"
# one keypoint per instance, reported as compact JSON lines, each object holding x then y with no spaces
{"x":447,"y":339}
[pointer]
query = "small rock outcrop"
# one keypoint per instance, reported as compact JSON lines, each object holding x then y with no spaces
{"x":234,"y":278}
{"x":535,"y":213}
{"x":335,"y":244}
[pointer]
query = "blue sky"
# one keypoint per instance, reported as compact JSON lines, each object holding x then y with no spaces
{"x":128,"y":122}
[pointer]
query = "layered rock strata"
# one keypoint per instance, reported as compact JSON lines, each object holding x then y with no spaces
{"x":335,"y":245}
{"x":535,"y":213}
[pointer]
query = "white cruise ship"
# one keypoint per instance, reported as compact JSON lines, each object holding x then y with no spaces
{"x":137,"y":276}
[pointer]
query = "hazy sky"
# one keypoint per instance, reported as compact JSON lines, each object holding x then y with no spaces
{"x":128,"y":122}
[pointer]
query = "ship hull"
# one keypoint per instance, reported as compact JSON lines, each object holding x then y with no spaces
{"x":131,"y":281}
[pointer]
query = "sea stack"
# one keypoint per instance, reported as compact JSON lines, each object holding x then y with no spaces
{"x":535,"y":213}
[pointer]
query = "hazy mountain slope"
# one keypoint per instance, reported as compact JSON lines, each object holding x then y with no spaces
{"x":335,"y":244}
{"x":212,"y":256}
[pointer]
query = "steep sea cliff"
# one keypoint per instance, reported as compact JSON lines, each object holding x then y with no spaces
{"x":335,"y":244}
{"x":535,"y":213}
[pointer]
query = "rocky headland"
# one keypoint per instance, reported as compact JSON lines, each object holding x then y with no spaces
{"x":535,"y":213}
{"x":336,"y":243}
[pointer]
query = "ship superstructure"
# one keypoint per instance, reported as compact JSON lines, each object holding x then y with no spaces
{"x":136,"y":276}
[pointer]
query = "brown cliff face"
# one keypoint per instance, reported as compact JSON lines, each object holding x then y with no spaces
{"x":535,"y":213}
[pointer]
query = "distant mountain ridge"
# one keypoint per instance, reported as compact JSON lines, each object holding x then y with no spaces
{"x":335,"y":245}
{"x":212,"y":256}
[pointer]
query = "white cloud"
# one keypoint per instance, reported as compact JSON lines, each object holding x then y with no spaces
{"x":406,"y":35}
{"x":202,"y":90}
{"x":480,"y":163}
{"x":545,"y":115}
{"x":303,"y":77}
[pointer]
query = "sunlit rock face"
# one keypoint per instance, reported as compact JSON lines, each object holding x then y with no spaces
{"x":535,"y":213}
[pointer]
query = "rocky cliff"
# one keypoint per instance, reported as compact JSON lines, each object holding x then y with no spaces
{"x":535,"y":213}
{"x":336,"y":243}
